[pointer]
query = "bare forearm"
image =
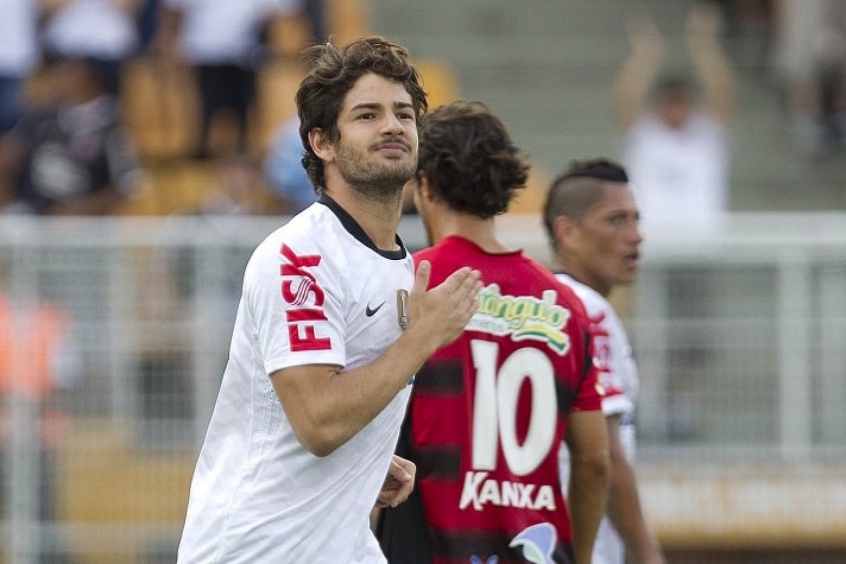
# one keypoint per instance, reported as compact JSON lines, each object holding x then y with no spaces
{"x":717,"y":78}
{"x":588,"y":496}
{"x":626,"y":514}
{"x":326,"y":406}
{"x":348,"y":399}
{"x":712,"y":64}
{"x":631,"y":89}
{"x":635,"y":79}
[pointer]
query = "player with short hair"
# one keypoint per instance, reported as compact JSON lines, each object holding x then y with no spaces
{"x":331,"y":328}
{"x":592,"y":222}
{"x":489,"y":411}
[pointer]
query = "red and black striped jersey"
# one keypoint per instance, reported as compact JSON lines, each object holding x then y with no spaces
{"x":488,"y":414}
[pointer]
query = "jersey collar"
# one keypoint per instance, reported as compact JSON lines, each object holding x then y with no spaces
{"x":354,"y":229}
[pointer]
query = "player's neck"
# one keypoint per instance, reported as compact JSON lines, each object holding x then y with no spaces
{"x":378,"y":217}
{"x":479,"y":231}
{"x":579,"y":275}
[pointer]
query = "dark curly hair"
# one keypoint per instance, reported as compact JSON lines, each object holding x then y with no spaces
{"x":334,"y":71}
{"x":576,"y":189}
{"x":470,"y":160}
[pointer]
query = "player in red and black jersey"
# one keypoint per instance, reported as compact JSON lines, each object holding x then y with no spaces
{"x":489,"y":412}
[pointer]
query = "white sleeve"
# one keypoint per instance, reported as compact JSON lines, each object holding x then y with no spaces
{"x":298,"y":310}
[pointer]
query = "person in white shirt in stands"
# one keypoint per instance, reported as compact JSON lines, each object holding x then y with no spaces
{"x":220,"y":41}
{"x":592,"y":223}
{"x":19,"y":54}
{"x":103,"y":32}
{"x":676,"y":143}
{"x":332,"y":326}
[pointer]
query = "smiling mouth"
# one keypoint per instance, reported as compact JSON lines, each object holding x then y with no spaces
{"x":393,"y":144}
{"x":393,"y":147}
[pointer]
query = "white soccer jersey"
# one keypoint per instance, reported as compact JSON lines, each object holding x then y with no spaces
{"x":315,"y":292}
{"x":618,"y":375}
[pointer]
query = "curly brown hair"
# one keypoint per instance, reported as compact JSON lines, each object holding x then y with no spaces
{"x":469,"y":159}
{"x":334,"y":72}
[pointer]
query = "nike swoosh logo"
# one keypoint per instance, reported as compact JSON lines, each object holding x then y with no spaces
{"x":371,"y":312}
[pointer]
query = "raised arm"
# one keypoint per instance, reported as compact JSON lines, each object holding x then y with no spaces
{"x":713,"y":69}
{"x":632,"y":86}
{"x":327,"y":406}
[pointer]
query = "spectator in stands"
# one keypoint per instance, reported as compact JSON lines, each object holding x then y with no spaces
{"x":73,"y":158}
{"x":315,"y":13}
{"x":284,"y":171}
{"x":810,"y":59}
{"x":239,"y":189}
{"x":591,"y":220}
{"x":220,"y":41}
{"x":103,"y":31}
{"x":676,"y":148}
{"x":147,"y":23}
{"x":677,"y":154}
{"x":19,"y":54}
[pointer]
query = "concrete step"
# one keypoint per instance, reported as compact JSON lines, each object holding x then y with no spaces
{"x":547,"y":67}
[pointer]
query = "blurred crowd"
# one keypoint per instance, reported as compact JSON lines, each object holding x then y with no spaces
{"x":66,"y":147}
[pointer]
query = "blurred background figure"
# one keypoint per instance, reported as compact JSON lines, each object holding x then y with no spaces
{"x":810,"y":60}
{"x":73,"y":157}
{"x":591,"y":220}
{"x":223,"y":43}
{"x":676,"y":137}
{"x":318,"y":24}
{"x":19,"y":55}
{"x":284,"y":172}
{"x":239,"y":190}
{"x":38,"y":360}
{"x":106,"y":32}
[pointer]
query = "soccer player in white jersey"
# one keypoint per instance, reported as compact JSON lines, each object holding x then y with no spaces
{"x":592,"y":221}
{"x":331,"y":328}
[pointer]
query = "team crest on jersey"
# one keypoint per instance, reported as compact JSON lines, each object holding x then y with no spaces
{"x":537,"y":543}
{"x":522,"y":317}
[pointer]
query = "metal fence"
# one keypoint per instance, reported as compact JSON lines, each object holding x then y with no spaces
{"x":739,"y":336}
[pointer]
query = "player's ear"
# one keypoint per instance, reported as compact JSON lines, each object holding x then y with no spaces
{"x":563,"y":228}
{"x":320,"y":144}
{"x":424,"y":187}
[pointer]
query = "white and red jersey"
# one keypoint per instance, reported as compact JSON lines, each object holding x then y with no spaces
{"x":489,"y":412}
{"x":316,"y":291}
{"x":619,"y":376}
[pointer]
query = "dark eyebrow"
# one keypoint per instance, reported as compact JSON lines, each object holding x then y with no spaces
{"x":366,"y":106}
{"x":375,"y":106}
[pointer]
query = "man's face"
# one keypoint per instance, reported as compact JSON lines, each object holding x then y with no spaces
{"x":377,"y":147}
{"x":605,"y":243}
{"x":675,"y":107}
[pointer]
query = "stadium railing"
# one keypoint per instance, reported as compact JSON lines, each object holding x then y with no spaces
{"x":738,"y":333}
